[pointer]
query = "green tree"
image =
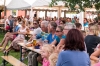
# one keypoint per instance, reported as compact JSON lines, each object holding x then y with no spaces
{"x":71,"y":4}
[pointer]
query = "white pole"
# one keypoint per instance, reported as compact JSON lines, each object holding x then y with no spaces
{"x":31,"y":14}
{"x":81,"y":19}
{"x":4,"y":7}
{"x":59,"y":12}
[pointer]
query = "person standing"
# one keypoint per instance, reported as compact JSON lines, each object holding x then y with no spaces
{"x":11,"y":23}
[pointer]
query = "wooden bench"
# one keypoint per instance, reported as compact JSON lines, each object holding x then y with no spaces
{"x":13,"y":61}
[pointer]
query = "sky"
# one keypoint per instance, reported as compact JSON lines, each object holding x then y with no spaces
{"x":8,"y":1}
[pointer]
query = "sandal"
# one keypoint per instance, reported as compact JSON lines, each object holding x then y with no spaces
{"x":6,"y":53}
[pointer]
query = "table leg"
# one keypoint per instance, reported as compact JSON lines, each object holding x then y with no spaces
{"x":21,"y":53}
{"x":36,"y":60}
{"x":4,"y":63}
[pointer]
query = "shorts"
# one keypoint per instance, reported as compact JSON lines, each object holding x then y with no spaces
{"x":14,"y":36}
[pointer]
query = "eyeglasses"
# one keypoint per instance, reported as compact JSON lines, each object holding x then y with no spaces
{"x":34,"y":23}
{"x":58,"y":31}
{"x":61,"y":23}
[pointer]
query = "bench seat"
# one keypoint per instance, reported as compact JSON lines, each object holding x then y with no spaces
{"x":13,"y":61}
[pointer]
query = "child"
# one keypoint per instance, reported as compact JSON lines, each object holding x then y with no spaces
{"x":53,"y":59}
{"x":46,"y":51}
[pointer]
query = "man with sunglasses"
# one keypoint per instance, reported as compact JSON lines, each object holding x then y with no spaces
{"x":36,"y":30}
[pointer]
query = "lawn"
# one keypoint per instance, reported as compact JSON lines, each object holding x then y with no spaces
{"x":13,"y":53}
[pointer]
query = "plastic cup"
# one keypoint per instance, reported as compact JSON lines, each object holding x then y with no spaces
{"x":25,"y":42}
{"x":34,"y":42}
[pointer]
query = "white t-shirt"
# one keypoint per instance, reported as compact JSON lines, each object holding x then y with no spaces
{"x":37,"y":31}
{"x":6,"y":22}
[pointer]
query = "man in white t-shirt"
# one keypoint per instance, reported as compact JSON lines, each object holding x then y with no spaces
{"x":36,"y":31}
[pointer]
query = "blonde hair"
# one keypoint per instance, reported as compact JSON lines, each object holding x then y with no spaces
{"x":53,"y":59}
{"x":50,"y":49}
{"x":94,"y":29}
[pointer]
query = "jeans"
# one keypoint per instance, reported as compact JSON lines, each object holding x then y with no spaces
{"x":32,"y":59}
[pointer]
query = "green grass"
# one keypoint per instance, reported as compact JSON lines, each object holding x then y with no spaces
{"x":13,"y":53}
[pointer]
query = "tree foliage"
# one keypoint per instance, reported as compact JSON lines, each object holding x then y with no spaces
{"x":78,"y":4}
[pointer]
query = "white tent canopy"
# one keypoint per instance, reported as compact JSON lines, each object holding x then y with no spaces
{"x":17,"y":5}
{"x":40,"y":3}
{"x":1,"y":2}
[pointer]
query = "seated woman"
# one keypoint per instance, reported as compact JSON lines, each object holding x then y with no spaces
{"x":10,"y":36}
{"x":73,"y":53}
{"x":20,"y":38}
{"x":59,"y":36}
{"x":67,"y":27}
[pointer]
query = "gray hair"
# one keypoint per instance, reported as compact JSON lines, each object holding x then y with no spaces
{"x":45,"y":23}
{"x":70,"y":25}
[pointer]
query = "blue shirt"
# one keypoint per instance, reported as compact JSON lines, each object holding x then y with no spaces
{"x":16,"y":28}
{"x":43,"y":36}
{"x":58,"y":39}
{"x":50,"y":39}
{"x":73,"y":58}
{"x":11,"y":23}
{"x":86,"y":24}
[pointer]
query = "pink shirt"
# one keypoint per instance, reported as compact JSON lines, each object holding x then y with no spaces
{"x":97,"y":64}
{"x":45,"y":62}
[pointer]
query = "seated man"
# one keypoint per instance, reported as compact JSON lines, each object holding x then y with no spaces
{"x":33,"y":57}
{"x":37,"y":30}
{"x":10,"y":36}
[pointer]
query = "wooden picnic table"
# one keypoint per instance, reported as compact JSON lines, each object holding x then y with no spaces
{"x":29,"y":48}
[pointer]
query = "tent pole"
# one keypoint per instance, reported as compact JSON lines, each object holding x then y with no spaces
{"x":59,"y":12}
{"x":4,"y":8}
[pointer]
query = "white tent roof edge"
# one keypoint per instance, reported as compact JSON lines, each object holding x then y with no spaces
{"x":17,"y":5}
{"x":23,"y":8}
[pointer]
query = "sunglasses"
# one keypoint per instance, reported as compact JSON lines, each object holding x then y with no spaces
{"x":35,"y":23}
{"x":58,"y":31}
{"x":61,"y":23}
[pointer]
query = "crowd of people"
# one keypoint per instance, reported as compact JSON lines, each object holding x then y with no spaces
{"x":61,"y":41}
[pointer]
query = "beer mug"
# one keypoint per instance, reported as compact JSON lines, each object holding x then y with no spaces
{"x":25,"y":41}
{"x":34,"y":42}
